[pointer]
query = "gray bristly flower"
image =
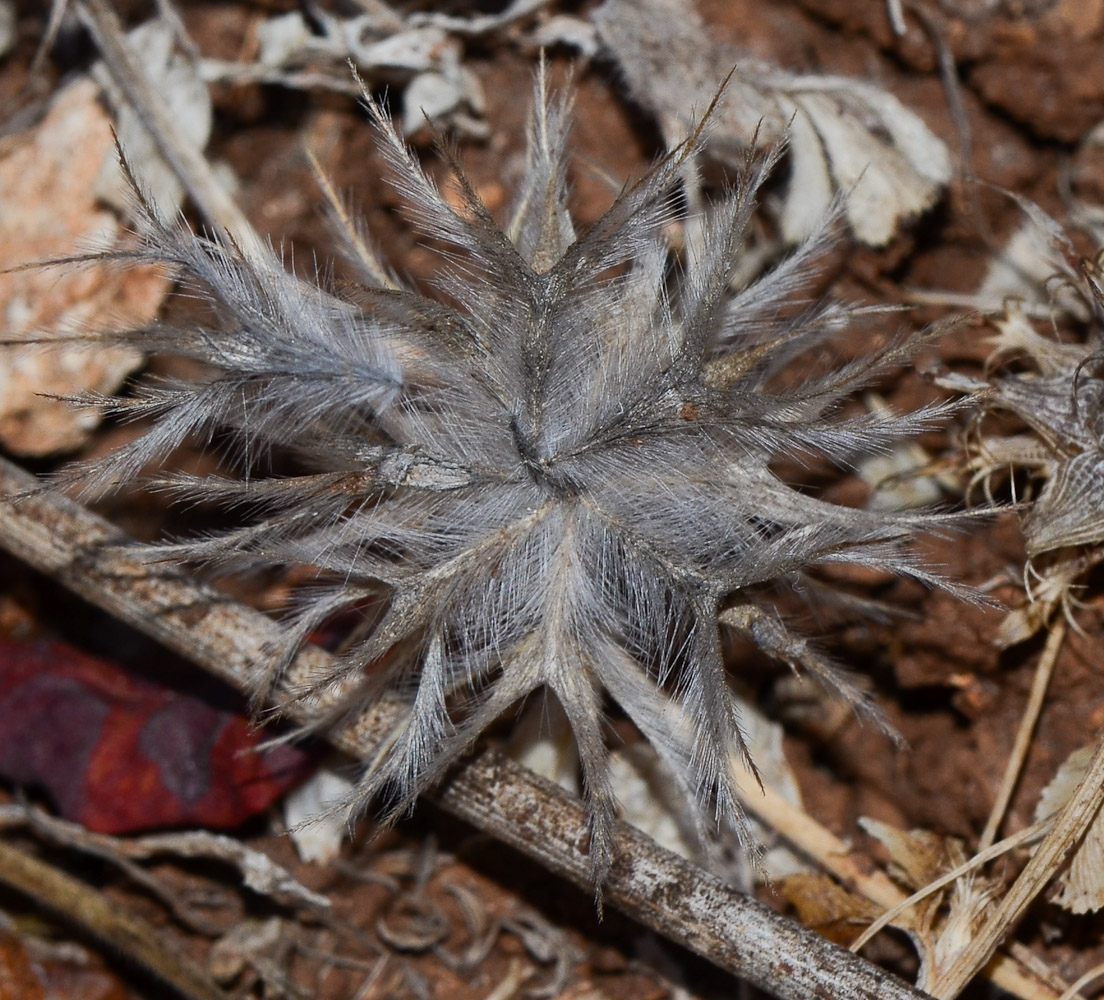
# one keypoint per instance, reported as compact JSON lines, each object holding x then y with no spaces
{"x":556,"y":474}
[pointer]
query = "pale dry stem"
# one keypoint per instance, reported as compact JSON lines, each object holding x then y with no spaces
{"x":1043,"y":671}
{"x":1049,"y":858}
{"x":837,"y":858}
{"x":1094,"y":973}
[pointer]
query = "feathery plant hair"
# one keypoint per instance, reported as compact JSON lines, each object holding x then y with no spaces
{"x":555,"y":475}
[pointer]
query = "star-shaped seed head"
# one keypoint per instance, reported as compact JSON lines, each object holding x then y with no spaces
{"x":555,"y":471}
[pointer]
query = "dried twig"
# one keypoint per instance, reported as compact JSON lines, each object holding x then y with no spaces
{"x":188,"y":163}
{"x":79,"y":903}
{"x":59,"y":831}
{"x":1043,"y":671}
{"x":258,"y":871}
{"x":660,"y":890}
{"x":1048,"y":860}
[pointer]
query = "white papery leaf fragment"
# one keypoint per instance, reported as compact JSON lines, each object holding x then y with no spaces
{"x":846,"y":136}
{"x":1081,"y":884}
{"x":179,"y":83}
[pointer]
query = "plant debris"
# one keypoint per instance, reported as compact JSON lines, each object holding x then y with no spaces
{"x":843,"y":135}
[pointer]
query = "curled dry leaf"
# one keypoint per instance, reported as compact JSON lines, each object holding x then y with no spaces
{"x":652,"y":799}
{"x":649,"y":797}
{"x":48,"y":183}
{"x":845,"y":136}
{"x":420,"y":53}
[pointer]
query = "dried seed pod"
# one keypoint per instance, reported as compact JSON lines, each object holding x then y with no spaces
{"x":558,"y":474}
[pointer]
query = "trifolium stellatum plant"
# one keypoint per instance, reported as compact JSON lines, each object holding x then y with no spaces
{"x":556,"y":470}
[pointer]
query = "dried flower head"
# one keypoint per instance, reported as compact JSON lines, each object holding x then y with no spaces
{"x":556,"y":474}
{"x":1056,"y":387}
{"x":1057,"y":390}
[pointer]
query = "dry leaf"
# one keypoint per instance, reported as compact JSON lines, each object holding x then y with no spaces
{"x":649,"y":797}
{"x":47,"y":208}
{"x":420,"y":53}
{"x":942,"y":924}
{"x":312,"y":815}
{"x":917,"y":856}
{"x":1081,"y":885}
{"x":828,"y":908}
{"x":178,"y":81}
{"x":897,"y":476}
{"x":542,"y":742}
{"x":846,"y":136}
{"x":652,"y":799}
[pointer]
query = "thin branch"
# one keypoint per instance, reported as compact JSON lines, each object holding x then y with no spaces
{"x":257,"y":870}
{"x":1030,"y":717}
{"x":91,"y":910}
{"x":491,"y":792}
{"x":186,"y":161}
{"x":1049,"y":858}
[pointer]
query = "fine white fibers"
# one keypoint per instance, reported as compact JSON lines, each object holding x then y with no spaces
{"x":556,"y":475}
